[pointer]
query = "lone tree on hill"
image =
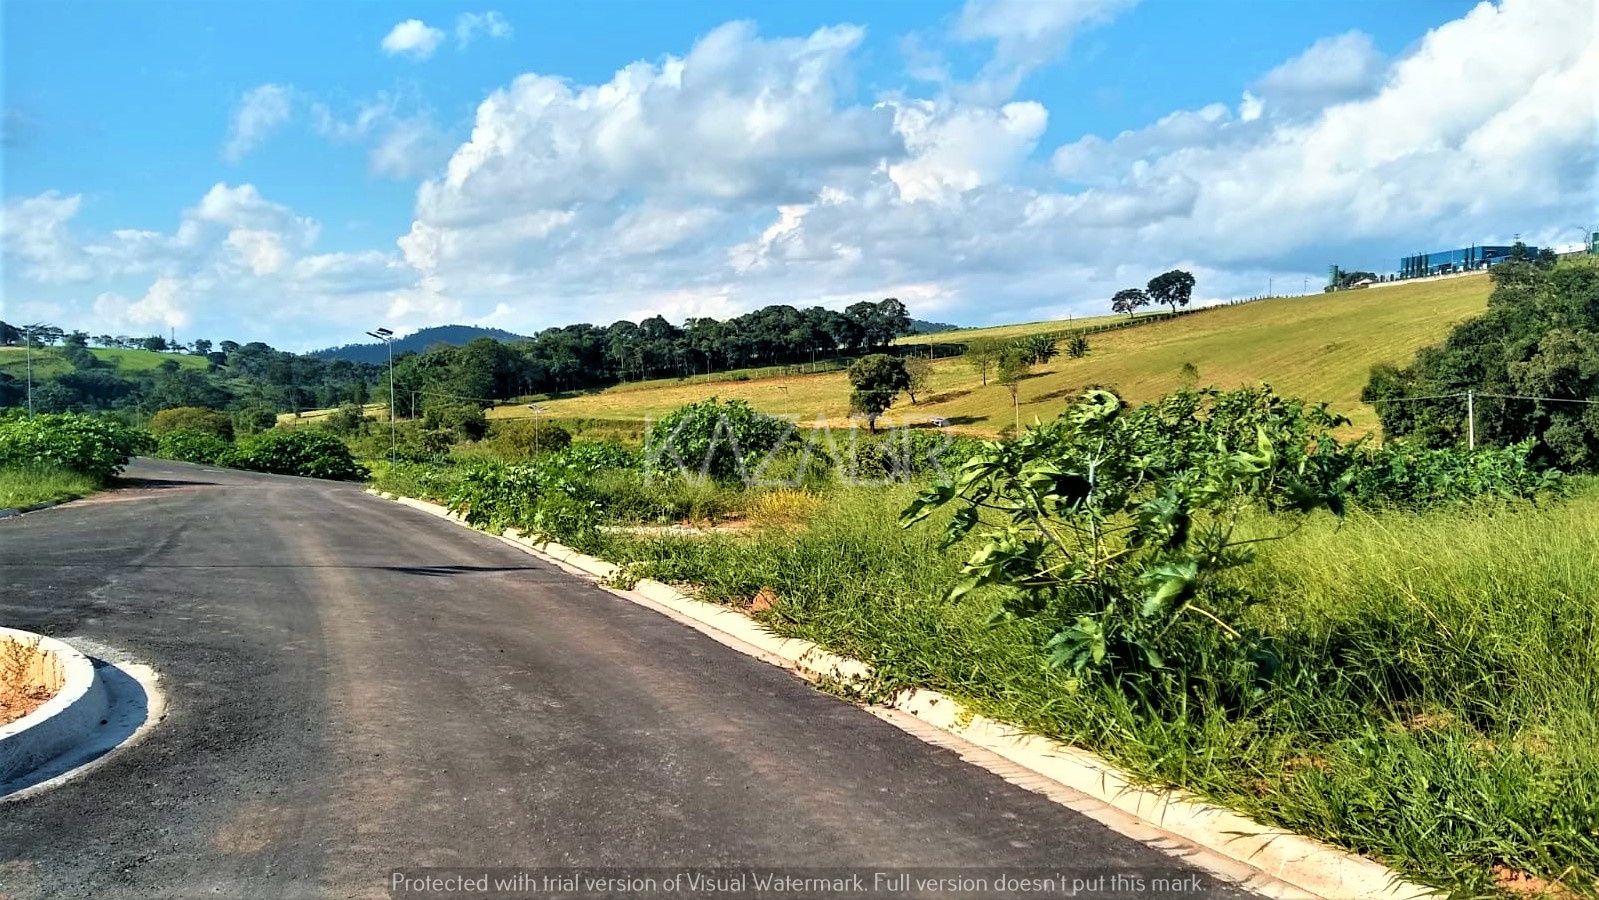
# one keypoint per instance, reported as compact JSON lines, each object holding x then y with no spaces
{"x":980,"y":355}
{"x":877,"y":379}
{"x":918,"y":372}
{"x":1174,"y":288}
{"x":1014,"y":364}
{"x":1128,"y":300}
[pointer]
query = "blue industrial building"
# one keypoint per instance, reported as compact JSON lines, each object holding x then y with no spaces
{"x":1463,"y":260}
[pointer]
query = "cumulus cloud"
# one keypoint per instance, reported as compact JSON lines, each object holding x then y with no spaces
{"x":403,"y":141}
{"x":1026,"y":34}
{"x":233,"y":256}
{"x":469,"y":26}
{"x":261,"y":111}
{"x":413,"y":38}
{"x":752,"y":169}
{"x":1333,"y":70}
{"x":660,"y":185}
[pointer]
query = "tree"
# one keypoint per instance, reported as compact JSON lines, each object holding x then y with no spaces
{"x":9,"y":335}
{"x":192,"y":418}
{"x":1038,"y":348}
{"x":1174,"y":288}
{"x":918,"y":372}
{"x":1077,"y":347}
{"x":877,"y":379}
{"x":1128,"y":300}
{"x":980,"y":355}
{"x":1538,"y":338}
{"x":201,"y":347}
{"x":1013,"y":364}
{"x":154,"y":342}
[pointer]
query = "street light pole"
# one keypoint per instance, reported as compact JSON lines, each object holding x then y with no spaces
{"x":387,"y":337}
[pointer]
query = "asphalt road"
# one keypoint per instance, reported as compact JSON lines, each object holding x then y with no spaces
{"x":354,"y":686}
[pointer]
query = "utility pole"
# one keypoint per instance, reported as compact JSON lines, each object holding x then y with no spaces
{"x":387,"y":337}
{"x":27,"y":343}
{"x":1269,"y":280}
{"x":1471,"y":420}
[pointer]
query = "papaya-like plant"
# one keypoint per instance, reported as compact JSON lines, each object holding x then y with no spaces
{"x":1117,"y":525}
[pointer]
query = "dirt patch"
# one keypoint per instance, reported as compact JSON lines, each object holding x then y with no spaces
{"x":22,"y":689}
{"x":1525,"y":884}
{"x":763,"y":600}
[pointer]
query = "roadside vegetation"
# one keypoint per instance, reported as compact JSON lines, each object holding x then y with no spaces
{"x":61,"y":457}
{"x":1389,"y":644}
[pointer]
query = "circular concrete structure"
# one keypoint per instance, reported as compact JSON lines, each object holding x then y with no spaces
{"x":65,"y":720}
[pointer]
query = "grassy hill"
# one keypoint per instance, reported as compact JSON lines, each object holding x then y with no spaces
{"x":1319,"y":347}
{"x":47,"y":361}
{"x":1004,"y":332}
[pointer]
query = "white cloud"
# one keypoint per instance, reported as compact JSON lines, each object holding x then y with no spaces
{"x":261,"y":111}
{"x":234,"y":257}
{"x":468,"y":26}
{"x":403,"y":141}
{"x":1333,"y":70}
{"x":1026,"y":34}
{"x":752,"y":170}
{"x":413,"y":38}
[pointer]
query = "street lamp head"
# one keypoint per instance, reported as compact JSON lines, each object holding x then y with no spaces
{"x":382,"y":334}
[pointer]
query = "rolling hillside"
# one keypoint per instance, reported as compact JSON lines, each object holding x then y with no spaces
{"x":47,"y":361}
{"x":1319,"y":347}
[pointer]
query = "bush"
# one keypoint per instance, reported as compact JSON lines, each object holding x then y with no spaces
{"x":722,"y":439}
{"x":525,"y":438}
{"x":1410,"y":476}
{"x":194,"y":447}
{"x":311,"y":452}
{"x":192,"y":418}
{"x":349,"y":418}
{"x":97,"y":448}
{"x":465,"y":420}
{"x":254,"y":418}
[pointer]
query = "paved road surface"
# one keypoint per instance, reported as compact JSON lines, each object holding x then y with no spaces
{"x":355,"y":686}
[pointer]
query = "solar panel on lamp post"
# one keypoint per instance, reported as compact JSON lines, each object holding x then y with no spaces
{"x":387,"y":337}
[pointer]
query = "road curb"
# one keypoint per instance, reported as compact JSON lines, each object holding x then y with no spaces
{"x":63,"y":722}
{"x":1260,"y":858}
{"x":18,"y":511}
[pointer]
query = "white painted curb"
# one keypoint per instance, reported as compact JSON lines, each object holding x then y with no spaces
{"x":64,"y":721}
{"x":1266,"y":860}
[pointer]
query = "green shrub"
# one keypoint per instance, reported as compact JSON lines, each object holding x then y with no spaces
{"x":721,"y":439}
{"x":1406,"y":475}
{"x":311,"y":452}
{"x":465,"y":420}
{"x":525,"y":438}
{"x":349,"y":418}
{"x":254,"y":418}
{"x":95,"y":447}
{"x":194,"y":447}
{"x":192,"y":418}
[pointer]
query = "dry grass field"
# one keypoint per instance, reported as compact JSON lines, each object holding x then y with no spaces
{"x":1319,"y":347}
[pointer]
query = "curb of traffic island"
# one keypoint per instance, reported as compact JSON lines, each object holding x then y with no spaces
{"x":1266,"y":860}
{"x":65,"y":720}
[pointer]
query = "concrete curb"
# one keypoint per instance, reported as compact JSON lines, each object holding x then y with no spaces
{"x":1266,"y":860}
{"x":16,"y":511}
{"x":65,"y":721}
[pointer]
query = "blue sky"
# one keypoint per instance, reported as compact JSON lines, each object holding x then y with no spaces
{"x":278,"y":170}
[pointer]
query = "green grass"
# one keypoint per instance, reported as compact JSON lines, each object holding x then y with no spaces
{"x":1439,"y":710}
{"x":47,"y":361}
{"x":21,"y":487}
{"x":1319,"y":347}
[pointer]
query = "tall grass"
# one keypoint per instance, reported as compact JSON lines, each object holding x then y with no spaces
{"x":1439,"y":709}
{"x":28,"y":485}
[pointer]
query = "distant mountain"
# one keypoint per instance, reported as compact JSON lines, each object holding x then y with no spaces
{"x":922,"y":326}
{"x":454,"y":335}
